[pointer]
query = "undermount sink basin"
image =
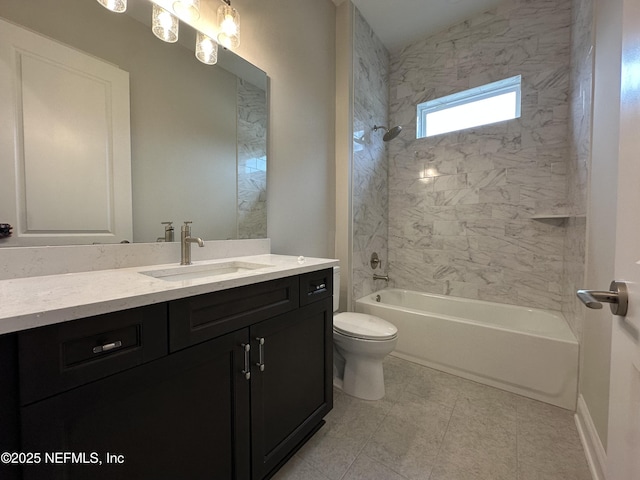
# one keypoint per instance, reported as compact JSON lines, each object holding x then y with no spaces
{"x":191,"y":272}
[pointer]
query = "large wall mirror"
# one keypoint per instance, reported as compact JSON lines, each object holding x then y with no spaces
{"x":197,"y":138}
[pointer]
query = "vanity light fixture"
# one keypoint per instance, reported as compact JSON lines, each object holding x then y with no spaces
{"x":164,"y":25}
{"x":187,"y":9}
{"x":117,"y":6}
{"x":229,"y":25}
{"x":206,"y":49}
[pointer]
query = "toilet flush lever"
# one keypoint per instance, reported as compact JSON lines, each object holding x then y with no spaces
{"x":617,"y":297}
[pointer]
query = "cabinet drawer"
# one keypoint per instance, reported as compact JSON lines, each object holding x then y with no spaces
{"x":59,"y":357}
{"x":316,"y":286}
{"x":197,"y":319}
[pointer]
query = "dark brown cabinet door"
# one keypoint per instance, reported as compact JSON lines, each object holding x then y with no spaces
{"x":292,"y":392}
{"x":9,"y":405}
{"x":185,"y":416}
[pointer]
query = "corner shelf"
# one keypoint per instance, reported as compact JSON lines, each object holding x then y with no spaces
{"x":561,"y":216}
{"x":549,"y":216}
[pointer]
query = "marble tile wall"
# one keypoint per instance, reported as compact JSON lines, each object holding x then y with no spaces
{"x":252,"y":161}
{"x":578,"y":165}
{"x":460,"y":204}
{"x":370,"y":166}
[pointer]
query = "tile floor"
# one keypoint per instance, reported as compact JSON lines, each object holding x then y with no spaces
{"x":435,"y":426}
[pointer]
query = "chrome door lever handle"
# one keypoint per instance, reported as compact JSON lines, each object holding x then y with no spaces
{"x":617,"y":297}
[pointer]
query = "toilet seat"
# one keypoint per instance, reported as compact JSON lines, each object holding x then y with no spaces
{"x":364,"y":326}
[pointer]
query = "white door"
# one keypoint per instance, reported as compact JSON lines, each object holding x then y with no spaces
{"x":65,"y":155}
{"x":623,"y":451}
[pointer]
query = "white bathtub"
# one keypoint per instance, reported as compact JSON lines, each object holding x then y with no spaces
{"x":525,"y":351}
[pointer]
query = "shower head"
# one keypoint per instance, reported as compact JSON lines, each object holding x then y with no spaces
{"x":390,"y":133}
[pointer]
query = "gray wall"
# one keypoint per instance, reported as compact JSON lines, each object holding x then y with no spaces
{"x":294,"y":42}
{"x":344,"y":148}
{"x":468,"y":230}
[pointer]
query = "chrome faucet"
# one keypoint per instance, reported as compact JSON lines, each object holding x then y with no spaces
{"x":168,"y":232}
{"x":185,"y":243}
{"x":381,"y":277}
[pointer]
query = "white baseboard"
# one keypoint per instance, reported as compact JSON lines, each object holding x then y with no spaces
{"x":594,"y":451}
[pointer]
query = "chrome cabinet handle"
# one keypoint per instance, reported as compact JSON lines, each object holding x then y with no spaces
{"x":617,"y":297}
{"x":107,"y":346}
{"x":247,"y":369}
{"x":260,"y":363}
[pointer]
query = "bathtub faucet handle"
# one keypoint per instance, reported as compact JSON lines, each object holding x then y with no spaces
{"x":617,"y":296}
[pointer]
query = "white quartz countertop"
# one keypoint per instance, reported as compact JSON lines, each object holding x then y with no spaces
{"x":37,"y":301}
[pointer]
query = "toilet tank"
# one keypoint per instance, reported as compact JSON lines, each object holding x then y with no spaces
{"x":336,"y":288}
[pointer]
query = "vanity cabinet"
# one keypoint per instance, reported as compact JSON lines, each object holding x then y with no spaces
{"x":225,"y":385}
{"x":288,"y":356}
{"x":177,"y":417}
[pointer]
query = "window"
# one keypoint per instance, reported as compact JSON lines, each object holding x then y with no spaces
{"x":491,"y":103}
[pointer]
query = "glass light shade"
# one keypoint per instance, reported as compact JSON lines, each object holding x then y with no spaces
{"x":206,"y":49}
{"x":229,"y":25}
{"x":117,"y":6}
{"x":187,"y":9}
{"x":164,"y":25}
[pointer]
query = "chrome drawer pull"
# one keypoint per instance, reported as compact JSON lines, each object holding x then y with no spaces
{"x":247,"y":362}
{"x":107,"y":346}
{"x":260,"y":363}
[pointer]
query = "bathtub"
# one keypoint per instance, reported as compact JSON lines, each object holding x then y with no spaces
{"x":526,"y":351}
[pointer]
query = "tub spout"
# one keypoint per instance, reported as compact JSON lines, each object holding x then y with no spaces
{"x":381,"y":277}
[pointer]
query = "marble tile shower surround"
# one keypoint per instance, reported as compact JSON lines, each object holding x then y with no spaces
{"x":579,"y":158}
{"x":460,"y":204}
{"x":252,"y":161}
{"x":370,"y":166}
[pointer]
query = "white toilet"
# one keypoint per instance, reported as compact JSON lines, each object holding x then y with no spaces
{"x":360,"y":344}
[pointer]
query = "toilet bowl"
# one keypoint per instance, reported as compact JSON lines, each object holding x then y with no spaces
{"x":361,"y":342}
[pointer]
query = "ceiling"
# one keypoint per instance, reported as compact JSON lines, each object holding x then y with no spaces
{"x":400,"y":22}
